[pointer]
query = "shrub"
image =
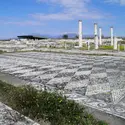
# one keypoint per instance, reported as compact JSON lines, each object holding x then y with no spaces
{"x":65,"y":36}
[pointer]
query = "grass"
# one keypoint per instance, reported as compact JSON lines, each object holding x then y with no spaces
{"x":105,"y":47}
{"x":121,"y":48}
{"x":92,"y":46}
{"x":1,"y":51}
{"x":42,"y":47}
{"x":84,"y":47}
{"x":40,"y":105}
{"x":67,"y":45}
{"x":111,"y":48}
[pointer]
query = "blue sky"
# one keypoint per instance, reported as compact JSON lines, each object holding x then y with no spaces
{"x":21,"y":17}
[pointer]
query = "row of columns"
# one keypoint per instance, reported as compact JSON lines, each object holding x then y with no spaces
{"x":98,"y":41}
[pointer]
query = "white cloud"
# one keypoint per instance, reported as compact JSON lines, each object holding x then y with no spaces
{"x":122,"y":2}
{"x":72,"y":9}
{"x":23,"y":23}
{"x":57,"y":16}
{"x":67,"y":16}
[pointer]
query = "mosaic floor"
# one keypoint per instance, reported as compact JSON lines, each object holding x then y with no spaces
{"x":95,"y":81}
{"x":11,"y":117}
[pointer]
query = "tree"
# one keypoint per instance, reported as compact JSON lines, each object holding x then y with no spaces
{"x":76,"y":36}
{"x":65,"y":36}
{"x":102,"y":36}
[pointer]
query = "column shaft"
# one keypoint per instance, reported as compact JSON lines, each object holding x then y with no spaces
{"x":80,"y":33}
{"x":100,"y":36}
{"x":115,"y":44}
{"x":112,"y":34}
{"x":96,"y":35}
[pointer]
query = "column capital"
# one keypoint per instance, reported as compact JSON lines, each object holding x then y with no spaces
{"x":80,"y":20}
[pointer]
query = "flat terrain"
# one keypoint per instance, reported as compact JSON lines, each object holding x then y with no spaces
{"x":95,"y":81}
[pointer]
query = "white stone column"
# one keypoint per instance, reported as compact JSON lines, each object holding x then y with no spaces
{"x":100,"y":36}
{"x":88,"y":45}
{"x":80,"y":33}
{"x":65,"y":45}
{"x":96,"y":35}
{"x":112,"y":35}
{"x":118,"y":47}
{"x":115,"y":43}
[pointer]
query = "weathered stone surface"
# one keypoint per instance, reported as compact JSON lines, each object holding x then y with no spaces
{"x":98,"y":82}
{"x":11,"y":117}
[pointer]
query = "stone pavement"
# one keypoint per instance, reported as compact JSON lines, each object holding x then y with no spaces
{"x":95,"y":81}
{"x":85,"y":52}
{"x":11,"y":117}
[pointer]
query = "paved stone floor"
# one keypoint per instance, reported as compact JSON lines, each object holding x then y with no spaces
{"x":95,"y":81}
{"x":11,"y":117}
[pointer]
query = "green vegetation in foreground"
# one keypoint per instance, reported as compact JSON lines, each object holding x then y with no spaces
{"x":40,"y":105}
